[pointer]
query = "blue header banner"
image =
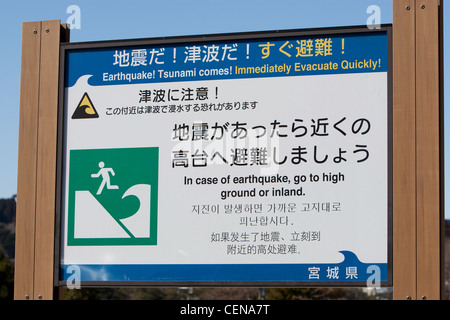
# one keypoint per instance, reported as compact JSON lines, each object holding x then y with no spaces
{"x":270,"y":57}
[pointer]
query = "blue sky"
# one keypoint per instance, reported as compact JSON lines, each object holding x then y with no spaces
{"x":108,"y":20}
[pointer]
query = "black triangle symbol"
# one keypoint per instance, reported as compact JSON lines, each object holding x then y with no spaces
{"x":85,"y":109}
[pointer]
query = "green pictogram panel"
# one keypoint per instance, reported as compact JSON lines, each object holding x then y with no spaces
{"x":113,"y":197}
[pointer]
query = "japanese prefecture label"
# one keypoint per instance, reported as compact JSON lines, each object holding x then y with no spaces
{"x":247,"y":160}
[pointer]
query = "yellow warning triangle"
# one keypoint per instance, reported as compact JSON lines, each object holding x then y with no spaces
{"x":85,"y":109}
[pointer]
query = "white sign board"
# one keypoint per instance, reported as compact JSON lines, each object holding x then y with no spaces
{"x":259,"y":160}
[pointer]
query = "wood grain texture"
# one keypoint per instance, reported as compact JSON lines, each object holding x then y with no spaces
{"x":429,"y":237}
{"x":36,"y":185}
{"x":417,"y":163}
{"x":27,"y":159}
{"x":404,"y":151}
{"x":46,"y":160}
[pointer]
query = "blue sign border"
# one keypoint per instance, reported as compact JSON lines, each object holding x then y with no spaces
{"x":349,"y":270}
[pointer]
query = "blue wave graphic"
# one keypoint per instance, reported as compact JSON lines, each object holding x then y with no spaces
{"x":351,"y":269}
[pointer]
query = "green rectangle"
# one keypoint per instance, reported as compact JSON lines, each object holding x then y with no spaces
{"x":113,"y":197}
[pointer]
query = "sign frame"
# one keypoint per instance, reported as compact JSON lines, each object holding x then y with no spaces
{"x":65,"y":47}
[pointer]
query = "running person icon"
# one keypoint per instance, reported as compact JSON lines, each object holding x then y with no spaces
{"x":104,"y":172}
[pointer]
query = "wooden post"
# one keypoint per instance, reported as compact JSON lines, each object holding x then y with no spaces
{"x":428,"y":133}
{"x":26,"y":178}
{"x":35,"y":229}
{"x":417,"y":144}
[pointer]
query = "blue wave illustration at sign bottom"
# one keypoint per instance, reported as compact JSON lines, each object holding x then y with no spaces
{"x":351,"y":269}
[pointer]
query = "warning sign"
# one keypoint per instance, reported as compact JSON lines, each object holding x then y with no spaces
{"x":112,"y":200}
{"x":240,"y":161}
{"x":85,"y":109}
